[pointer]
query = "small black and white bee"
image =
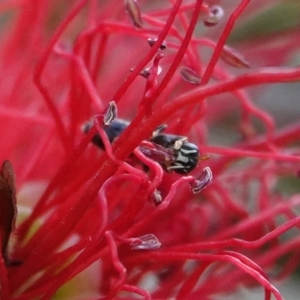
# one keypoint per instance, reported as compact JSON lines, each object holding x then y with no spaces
{"x":172,"y":152}
{"x":186,"y":155}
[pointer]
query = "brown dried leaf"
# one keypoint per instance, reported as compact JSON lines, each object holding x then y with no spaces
{"x":8,"y":208}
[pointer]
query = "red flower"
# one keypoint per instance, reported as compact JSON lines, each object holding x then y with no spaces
{"x":115,"y":223}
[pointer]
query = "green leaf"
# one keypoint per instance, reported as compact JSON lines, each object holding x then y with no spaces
{"x":275,"y":19}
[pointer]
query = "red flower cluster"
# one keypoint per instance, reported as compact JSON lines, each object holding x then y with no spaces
{"x":114,"y":223}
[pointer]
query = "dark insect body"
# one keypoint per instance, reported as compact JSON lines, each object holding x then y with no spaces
{"x":113,"y":131}
{"x":185,"y":154}
{"x":172,"y":152}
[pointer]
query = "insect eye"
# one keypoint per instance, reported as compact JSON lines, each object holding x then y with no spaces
{"x":192,"y":148}
{"x":187,"y":158}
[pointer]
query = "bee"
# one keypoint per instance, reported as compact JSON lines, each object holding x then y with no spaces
{"x":172,"y":152}
{"x":185,"y":154}
{"x":113,"y":131}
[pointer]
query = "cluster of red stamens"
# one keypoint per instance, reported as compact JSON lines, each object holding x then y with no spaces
{"x":86,"y":214}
